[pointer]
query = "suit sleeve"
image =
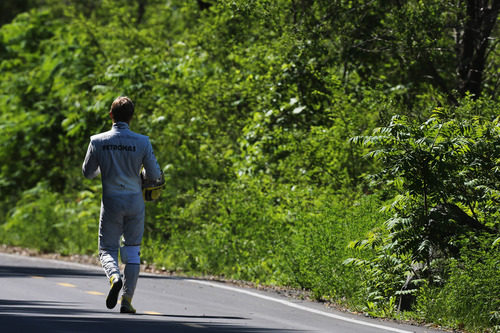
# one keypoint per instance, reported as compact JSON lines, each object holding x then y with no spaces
{"x":90,"y":167}
{"x":150,"y":163}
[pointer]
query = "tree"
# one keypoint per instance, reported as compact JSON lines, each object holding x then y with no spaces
{"x":9,"y":9}
{"x":473,"y":40}
{"x":418,"y":46}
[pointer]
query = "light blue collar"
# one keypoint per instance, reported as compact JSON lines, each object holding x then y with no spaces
{"x":120,"y":125}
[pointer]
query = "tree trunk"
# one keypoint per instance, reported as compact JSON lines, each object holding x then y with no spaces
{"x":472,"y":44}
{"x":140,"y":10}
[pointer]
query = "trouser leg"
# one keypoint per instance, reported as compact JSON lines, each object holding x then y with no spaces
{"x":130,"y":255}
{"x":133,"y":229}
{"x":131,"y":275}
{"x":110,"y":229}
{"x":109,"y":260}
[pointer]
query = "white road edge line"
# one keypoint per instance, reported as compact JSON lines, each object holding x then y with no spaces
{"x":297,"y":306}
{"x":216,"y":285}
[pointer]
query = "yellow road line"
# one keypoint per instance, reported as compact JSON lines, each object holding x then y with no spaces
{"x":98,"y":293}
{"x":64,"y":284}
{"x":37,"y":277}
{"x":153,"y":313}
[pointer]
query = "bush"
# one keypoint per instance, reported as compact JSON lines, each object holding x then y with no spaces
{"x":470,"y":298}
{"x":323,"y":226}
{"x":445,"y":177}
{"x":445,"y":174}
{"x":257,"y":230}
{"x":50,"y":222}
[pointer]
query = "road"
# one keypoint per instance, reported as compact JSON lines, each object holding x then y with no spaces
{"x":42,"y":295}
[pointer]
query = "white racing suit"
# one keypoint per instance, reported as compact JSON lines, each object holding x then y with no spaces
{"x":118,"y":155}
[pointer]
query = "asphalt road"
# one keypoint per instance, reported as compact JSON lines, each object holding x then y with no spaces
{"x":40,"y":295}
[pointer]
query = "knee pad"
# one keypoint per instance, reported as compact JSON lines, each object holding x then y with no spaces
{"x":130,"y":254}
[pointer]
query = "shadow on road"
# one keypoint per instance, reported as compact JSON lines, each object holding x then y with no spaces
{"x":23,"y":307}
{"x":23,"y":271}
{"x":37,"y":316}
{"x":52,"y":316}
{"x":20,"y":324}
{"x":8,"y":306}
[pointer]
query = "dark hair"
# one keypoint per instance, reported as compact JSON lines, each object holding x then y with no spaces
{"x":122,"y":109}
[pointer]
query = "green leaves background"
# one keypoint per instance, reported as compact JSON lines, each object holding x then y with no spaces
{"x":282,"y":127}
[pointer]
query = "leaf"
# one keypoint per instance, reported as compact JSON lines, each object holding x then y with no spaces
{"x":298,"y":110}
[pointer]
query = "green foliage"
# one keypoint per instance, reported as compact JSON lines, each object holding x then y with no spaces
{"x":9,"y":9}
{"x":469,"y":299}
{"x":445,"y":171}
{"x":52,"y":222}
{"x":323,"y":226}
{"x":269,"y":233}
{"x":286,"y":144}
{"x":389,"y":282}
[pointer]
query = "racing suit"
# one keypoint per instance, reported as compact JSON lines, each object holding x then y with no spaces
{"x":118,"y":155}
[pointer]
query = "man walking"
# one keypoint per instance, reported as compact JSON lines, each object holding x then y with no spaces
{"x":119,"y":155}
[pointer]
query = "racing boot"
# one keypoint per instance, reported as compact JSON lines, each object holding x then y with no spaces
{"x":114,"y":290}
{"x":126,"y":305}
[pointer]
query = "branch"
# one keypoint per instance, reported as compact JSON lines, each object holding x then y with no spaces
{"x":455,"y":213}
